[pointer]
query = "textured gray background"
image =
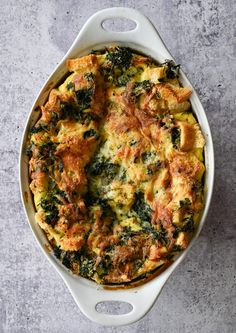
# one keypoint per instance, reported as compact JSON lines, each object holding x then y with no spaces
{"x":200,"y":295}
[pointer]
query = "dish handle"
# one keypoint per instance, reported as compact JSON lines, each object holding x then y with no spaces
{"x":141,"y":300}
{"x":93,"y":32}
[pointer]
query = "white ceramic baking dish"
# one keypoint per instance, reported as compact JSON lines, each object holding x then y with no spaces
{"x":146,"y":39}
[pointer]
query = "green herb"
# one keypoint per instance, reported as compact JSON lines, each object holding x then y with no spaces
{"x":84,"y":97}
{"x":133,"y":142}
{"x":48,"y":148}
{"x":69,"y":110}
{"x":50,"y":202}
{"x":89,"y":76}
{"x":67,"y":260}
{"x":138,"y":264}
{"x":189,"y":224}
{"x":146,"y":156}
{"x":160,"y":235}
{"x":91,"y":200}
{"x":176,"y":248}
{"x":123,"y":80}
{"x":141,"y":88}
{"x":175,"y":137}
{"x":70,"y":85}
{"x":102,"y":167}
{"x":115,"y":69}
{"x":91,"y":133}
{"x":86,"y":268}
{"x":75,"y":112}
{"x":50,"y":209}
{"x":39,"y":128}
{"x":122,"y":174}
{"x":57,"y":252}
{"x":61,"y":193}
{"x":184,"y":203}
{"x":141,"y":208}
{"x":187,"y":227}
{"x":120,"y":57}
{"x":172,"y":69}
{"x":54,"y":119}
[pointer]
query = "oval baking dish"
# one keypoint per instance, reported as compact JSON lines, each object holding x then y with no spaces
{"x":143,"y":38}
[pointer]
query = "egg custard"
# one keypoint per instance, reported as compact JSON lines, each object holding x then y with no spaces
{"x":116,"y":166}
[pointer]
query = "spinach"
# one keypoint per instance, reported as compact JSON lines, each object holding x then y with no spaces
{"x":147,"y":228}
{"x":111,"y":170}
{"x":84,"y":97}
{"x":39,"y":128}
{"x":47,"y":149}
{"x":160,"y":235}
{"x":123,"y":80}
{"x":104,"y":204}
{"x":86,"y":268}
{"x":54,"y":119}
{"x":102,"y":167}
{"x":91,"y":133}
{"x":115,"y":69}
{"x":89,"y":76}
{"x":137,"y":264}
{"x":141,"y":88}
{"x":57,"y":252}
{"x":107,"y":211}
{"x":70,"y":85}
{"x":189,"y":224}
{"x":176,"y":248}
{"x":69,"y":110}
{"x":75,"y":112}
{"x":90,"y":199}
{"x":61,"y":193}
{"x":146,"y":156}
{"x":172,"y":69}
{"x":127,"y":233}
{"x":50,"y":209}
{"x":141,"y":208}
{"x":50,"y":202}
{"x":133,"y":143}
{"x":184,"y":203}
{"x":67,"y":257}
{"x":187,"y":227}
{"x":120,"y":57}
{"x":67,"y":260}
{"x":54,"y":191}
{"x":175,"y":137}
{"x":96,"y":168}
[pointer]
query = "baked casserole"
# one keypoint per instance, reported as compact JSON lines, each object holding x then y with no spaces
{"x":117,"y":166}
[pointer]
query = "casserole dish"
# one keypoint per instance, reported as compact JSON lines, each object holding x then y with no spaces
{"x":145,"y":39}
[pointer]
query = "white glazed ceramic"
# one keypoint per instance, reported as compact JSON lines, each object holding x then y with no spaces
{"x":146,"y":39}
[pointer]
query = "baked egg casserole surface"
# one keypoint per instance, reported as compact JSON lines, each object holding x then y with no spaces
{"x":116,"y":166}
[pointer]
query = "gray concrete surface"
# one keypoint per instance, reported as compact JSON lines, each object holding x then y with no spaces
{"x":201,"y":294}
